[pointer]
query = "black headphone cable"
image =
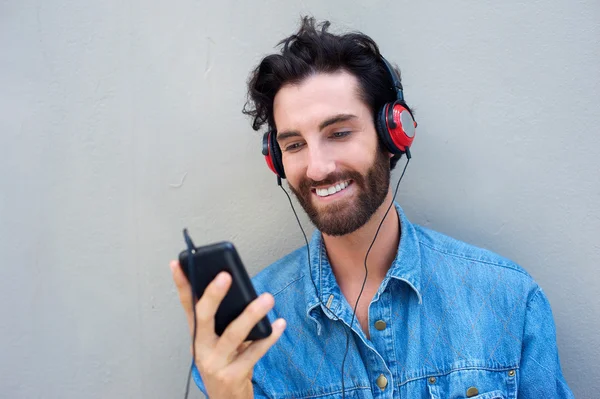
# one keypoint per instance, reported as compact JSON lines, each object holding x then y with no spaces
{"x":191,"y":251}
{"x":408,"y":156}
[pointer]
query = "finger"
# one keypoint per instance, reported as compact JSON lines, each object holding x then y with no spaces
{"x":184,"y":291}
{"x":243,"y":347}
{"x":240,"y":349}
{"x":247,"y":359}
{"x":237,"y":331}
{"x":207,"y":306}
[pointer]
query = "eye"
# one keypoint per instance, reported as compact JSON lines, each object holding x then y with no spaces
{"x":339,"y":135}
{"x":293,"y":147}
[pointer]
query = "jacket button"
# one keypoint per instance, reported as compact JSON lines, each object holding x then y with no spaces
{"x":472,"y":392}
{"x":382,"y":381}
{"x":380,"y":325}
{"x":511,"y":373}
{"x":432,"y":380}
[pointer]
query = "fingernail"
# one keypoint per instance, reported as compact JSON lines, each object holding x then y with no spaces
{"x":221,"y":280}
{"x":279,"y":324}
{"x":265,"y":299}
{"x":172,"y":266}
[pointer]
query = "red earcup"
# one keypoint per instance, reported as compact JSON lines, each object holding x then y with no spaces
{"x":266,"y":151}
{"x":270,"y":163}
{"x":272,"y":155}
{"x":402,"y":128}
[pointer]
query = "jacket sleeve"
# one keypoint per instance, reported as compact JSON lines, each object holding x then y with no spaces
{"x":198,"y":380}
{"x":540,"y":372}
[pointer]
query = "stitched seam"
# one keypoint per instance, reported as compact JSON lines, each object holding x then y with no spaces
{"x":505,"y":326}
{"x":339,"y":391}
{"x":475,"y":331}
{"x":502,"y":368}
{"x":493,"y":312}
{"x":462,"y":256}
{"x":287,"y":285}
{"x":434,"y":341}
{"x":534,"y":296}
{"x":320,"y":395}
{"x":548,"y":371}
{"x":412,"y":333}
{"x":393,"y":327}
{"x":290,"y":361}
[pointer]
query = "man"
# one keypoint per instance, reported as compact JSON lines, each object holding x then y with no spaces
{"x":432,"y":318}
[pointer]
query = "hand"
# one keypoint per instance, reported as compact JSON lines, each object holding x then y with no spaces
{"x":225,"y":363}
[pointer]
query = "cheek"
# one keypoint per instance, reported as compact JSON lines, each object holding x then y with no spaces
{"x":294,"y":170}
{"x":359,"y":156}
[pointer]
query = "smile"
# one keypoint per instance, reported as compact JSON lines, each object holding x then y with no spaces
{"x":336,"y":188}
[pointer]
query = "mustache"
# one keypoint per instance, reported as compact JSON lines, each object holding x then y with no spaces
{"x":308,"y":183}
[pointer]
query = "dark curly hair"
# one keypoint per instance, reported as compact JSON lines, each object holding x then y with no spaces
{"x":312,"y":50}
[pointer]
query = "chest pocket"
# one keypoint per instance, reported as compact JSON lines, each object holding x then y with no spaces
{"x":474,"y":384}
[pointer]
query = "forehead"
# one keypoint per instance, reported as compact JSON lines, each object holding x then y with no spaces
{"x":316,"y":98}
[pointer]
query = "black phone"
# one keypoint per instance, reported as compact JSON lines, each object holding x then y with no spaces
{"x":208,"y":261}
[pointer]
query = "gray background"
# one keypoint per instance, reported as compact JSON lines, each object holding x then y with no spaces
{"x":121,"y":125}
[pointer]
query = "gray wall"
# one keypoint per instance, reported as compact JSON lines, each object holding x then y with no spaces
{"x":121,"y":125}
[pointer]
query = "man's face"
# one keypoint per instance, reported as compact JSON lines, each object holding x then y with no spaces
{"x":331,"y":155}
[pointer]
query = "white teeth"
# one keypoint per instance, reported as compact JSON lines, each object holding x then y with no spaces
{"x":324,"y":192}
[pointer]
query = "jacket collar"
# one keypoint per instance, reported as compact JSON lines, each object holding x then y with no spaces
{"x":406,"y":267}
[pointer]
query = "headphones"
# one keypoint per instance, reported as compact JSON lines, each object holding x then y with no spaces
{"x":394,"y":124}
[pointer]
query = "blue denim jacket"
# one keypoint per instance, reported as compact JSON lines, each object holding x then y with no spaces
{"x":460,"y":322}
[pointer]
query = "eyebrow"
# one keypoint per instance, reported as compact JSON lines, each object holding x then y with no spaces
{"x":335,"y":119}
{"x":327,"y":122}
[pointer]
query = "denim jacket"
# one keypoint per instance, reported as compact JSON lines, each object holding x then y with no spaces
{"x":449,"y":321}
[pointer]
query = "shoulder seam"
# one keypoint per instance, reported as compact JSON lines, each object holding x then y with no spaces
{"x":506,"y":266}
{"x":287,"y":285}
{"x":535,"y":295}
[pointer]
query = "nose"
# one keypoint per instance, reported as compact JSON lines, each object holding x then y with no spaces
{"x":320,"y":163}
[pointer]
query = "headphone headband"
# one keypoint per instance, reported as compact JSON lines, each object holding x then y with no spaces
{"x":394,"y":124}
{"x":394,"y":79}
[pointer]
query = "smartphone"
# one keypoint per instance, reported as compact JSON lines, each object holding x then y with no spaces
{"x":208,"y":261}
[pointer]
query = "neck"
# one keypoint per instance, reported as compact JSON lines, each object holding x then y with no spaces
{"x":347,"y":253}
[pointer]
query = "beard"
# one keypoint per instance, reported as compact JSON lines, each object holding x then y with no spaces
{"x":348,"y":215}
